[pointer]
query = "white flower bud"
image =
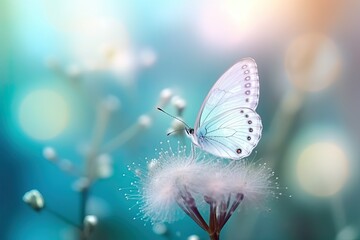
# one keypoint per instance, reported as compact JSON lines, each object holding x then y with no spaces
{"x":174,"y":99}
{"x":34,"y":199}
{"x":165,"y":96}
{"x":49,"y":153}
{"x":111,"y":103}
{"x":144,"y":121}
{"x":177,"y":127}
{"x":193,"y":237}
{"x":104,"y":166}
{"x":90,"y":222}
{"x":180,"y":104}
{"x":159,"y":229}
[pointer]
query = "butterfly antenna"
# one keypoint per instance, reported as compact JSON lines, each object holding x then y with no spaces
{"x":169,"y":133}
{"x":174,"y":117}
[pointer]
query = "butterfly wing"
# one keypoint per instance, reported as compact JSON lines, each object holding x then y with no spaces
{"x":232,"y":134}
{"x":237,"y":87}
{"x":222,"y":127}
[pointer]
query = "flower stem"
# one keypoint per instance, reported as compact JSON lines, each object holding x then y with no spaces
{"x":61,"y":217}
{"x":214,"y":236}
{"x":83,"y":203}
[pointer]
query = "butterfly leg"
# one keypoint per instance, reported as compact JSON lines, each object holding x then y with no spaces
{"x":193,"y":153}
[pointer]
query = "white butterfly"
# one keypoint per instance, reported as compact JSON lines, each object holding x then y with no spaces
{"x":227,"y":125}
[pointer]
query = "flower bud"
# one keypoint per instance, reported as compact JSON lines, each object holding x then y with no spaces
{"x":193,"y":237}
{"x":90,"y":222}
{"x":177,"y":127}
{"x":49,"y":153}
{"x":165,"y":96}
{"x":180,"y":104}
{"x":144,"y":121}
{"x":34,"y":199}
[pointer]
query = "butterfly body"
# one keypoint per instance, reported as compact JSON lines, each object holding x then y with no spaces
{"x":227,"y":125}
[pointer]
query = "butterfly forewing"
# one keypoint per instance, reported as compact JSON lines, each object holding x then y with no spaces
{"x":232,"y":134}
{"x":237,"y":87}
{"x":227,"y":124}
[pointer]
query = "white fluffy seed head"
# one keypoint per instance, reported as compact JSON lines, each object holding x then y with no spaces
{"x":161,"y":187}
{"x":174,"y":173}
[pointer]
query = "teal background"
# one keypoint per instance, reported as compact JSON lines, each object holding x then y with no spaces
{"x":32,"y":32}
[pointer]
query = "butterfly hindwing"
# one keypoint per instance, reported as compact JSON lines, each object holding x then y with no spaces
{"x":231,"y":134}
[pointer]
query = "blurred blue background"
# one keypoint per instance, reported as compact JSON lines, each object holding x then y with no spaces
{"x":83,"y":78}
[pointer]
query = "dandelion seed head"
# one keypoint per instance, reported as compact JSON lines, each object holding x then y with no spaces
{"x":175,"y":181}
{"x":251,"y":180}
{"x":164,"y":182}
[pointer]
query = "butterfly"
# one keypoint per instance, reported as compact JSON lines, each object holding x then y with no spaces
{"x":227,"y":125}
